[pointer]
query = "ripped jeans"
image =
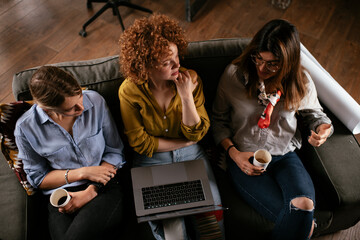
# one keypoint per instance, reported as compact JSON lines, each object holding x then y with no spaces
{"x":271,"y":194}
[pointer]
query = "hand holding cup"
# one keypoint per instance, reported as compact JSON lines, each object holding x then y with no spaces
{"x":262,"y":158}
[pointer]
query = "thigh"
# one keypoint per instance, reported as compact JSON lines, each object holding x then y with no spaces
{"x":292,"y":177}
{"x":179,"y":155}
{"x":261,"y":192}
{"x":158,"y":158}
{"x":100,"y":216}
{"x":58,"y":222}
{"x":189,"y":153}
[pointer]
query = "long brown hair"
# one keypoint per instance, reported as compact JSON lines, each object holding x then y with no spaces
{"x":281,"y":38}
{"x":50,"y":85}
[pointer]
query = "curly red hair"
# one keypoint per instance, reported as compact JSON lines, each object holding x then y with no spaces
{"x":146,"y":42}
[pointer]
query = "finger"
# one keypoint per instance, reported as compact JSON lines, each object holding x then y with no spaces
{"x":186,"y":74}
{"x":312,"y":141}
{"x":257,"y":170}
{"x":315,"y":135}
{"x":324,"y":133}
{"x":180,"y":76}
{"x":315,"y":143}
{"x":324,"y":127}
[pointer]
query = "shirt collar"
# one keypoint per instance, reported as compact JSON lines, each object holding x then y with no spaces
{"x":44,"y":117}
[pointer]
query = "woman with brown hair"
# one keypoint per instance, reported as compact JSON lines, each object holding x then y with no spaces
{"x":256,"y":104}
{"x":162,"y":106}
{"x":68,"y":139}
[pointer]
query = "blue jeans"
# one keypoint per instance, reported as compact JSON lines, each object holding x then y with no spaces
{"x":179,"y":155}
{"x":271,"y":193}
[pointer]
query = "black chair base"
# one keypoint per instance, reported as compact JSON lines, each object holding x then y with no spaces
{"x":114,"y":4}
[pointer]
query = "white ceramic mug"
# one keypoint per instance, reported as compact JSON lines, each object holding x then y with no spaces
{"x":262,"y":158}
{"x":60,"y":197}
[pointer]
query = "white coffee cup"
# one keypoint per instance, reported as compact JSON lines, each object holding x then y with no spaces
{"x":59,"y":198}
{"x":262,"y":158}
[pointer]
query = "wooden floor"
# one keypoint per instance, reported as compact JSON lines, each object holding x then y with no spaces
{"x":37,"y":32}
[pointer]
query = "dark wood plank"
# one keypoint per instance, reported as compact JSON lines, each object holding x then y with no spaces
{"x":310,"y":16}
{"x":17,"y":12}
{"x":6,"y":5}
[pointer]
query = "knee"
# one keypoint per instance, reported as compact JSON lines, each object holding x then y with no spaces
{"x":303,"y":203}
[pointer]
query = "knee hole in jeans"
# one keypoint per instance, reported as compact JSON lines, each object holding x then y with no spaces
{"x":303,"y":203}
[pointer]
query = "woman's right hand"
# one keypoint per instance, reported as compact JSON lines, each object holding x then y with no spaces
{"x":242,"y":161}
{"x":79,"y":199}
{"x":101,"y":174}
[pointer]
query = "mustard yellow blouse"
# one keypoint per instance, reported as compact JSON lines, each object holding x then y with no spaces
{"x":145,"y":121}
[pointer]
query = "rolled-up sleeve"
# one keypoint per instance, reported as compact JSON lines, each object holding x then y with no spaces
{"x":35,"y":166}
{"x":114,"y":146}
{"x":310,"y":109}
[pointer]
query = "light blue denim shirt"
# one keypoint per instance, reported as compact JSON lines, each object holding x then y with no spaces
{"x":44,"y":145}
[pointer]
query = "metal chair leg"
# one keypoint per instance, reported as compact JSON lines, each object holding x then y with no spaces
{"x":114,"y":4}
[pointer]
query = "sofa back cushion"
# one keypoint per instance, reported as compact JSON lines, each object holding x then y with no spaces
{"x":101,"y":75}
{"x":209,"y":59}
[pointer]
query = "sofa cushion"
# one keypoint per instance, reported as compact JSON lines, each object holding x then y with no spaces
{"x":9,"y":113}
{"x":101,"y":75}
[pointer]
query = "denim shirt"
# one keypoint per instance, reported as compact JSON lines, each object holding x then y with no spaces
{"x":44,"y":145}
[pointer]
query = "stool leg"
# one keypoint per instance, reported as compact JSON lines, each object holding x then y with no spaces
{"x":116,"y":10}
{"x":83,"y":31}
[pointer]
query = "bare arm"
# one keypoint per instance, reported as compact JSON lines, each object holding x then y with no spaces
{"x":166,"y":144}
{"x":56,"y":178}
{"x":185,"y":87}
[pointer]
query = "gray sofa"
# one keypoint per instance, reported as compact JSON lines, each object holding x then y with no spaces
{"x":334,"y":167}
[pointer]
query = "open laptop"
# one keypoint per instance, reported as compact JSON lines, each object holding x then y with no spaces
{"x":171,"y":190}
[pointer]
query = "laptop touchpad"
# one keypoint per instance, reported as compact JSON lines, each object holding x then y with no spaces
{"x":173,"y":173}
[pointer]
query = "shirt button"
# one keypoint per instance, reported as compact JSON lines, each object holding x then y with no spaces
{"x":164,"y":117}
{"x":166,"y":130}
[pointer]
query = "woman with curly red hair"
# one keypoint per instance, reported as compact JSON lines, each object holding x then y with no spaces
{"x":162,"y":105}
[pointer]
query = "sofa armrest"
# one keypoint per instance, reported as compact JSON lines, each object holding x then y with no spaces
{"x":334,"y":167}
{"x":13,"y":204}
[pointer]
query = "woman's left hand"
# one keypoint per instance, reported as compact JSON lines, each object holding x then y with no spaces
{"x":184,"y":84}
{"x":79,"y":199}
{"x":323,"y":131}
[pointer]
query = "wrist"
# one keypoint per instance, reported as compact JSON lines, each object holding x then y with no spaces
{"x":97,"y":186}
{"x":187,"y":99}
{"x":66,"y":176}
{"x":229,"y":148}
{"x":92,"y":190}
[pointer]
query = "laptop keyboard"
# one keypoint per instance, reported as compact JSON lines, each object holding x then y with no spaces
{"x":172,"y":194}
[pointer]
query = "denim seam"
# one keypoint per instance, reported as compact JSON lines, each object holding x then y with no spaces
{"x":254,"y":199}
